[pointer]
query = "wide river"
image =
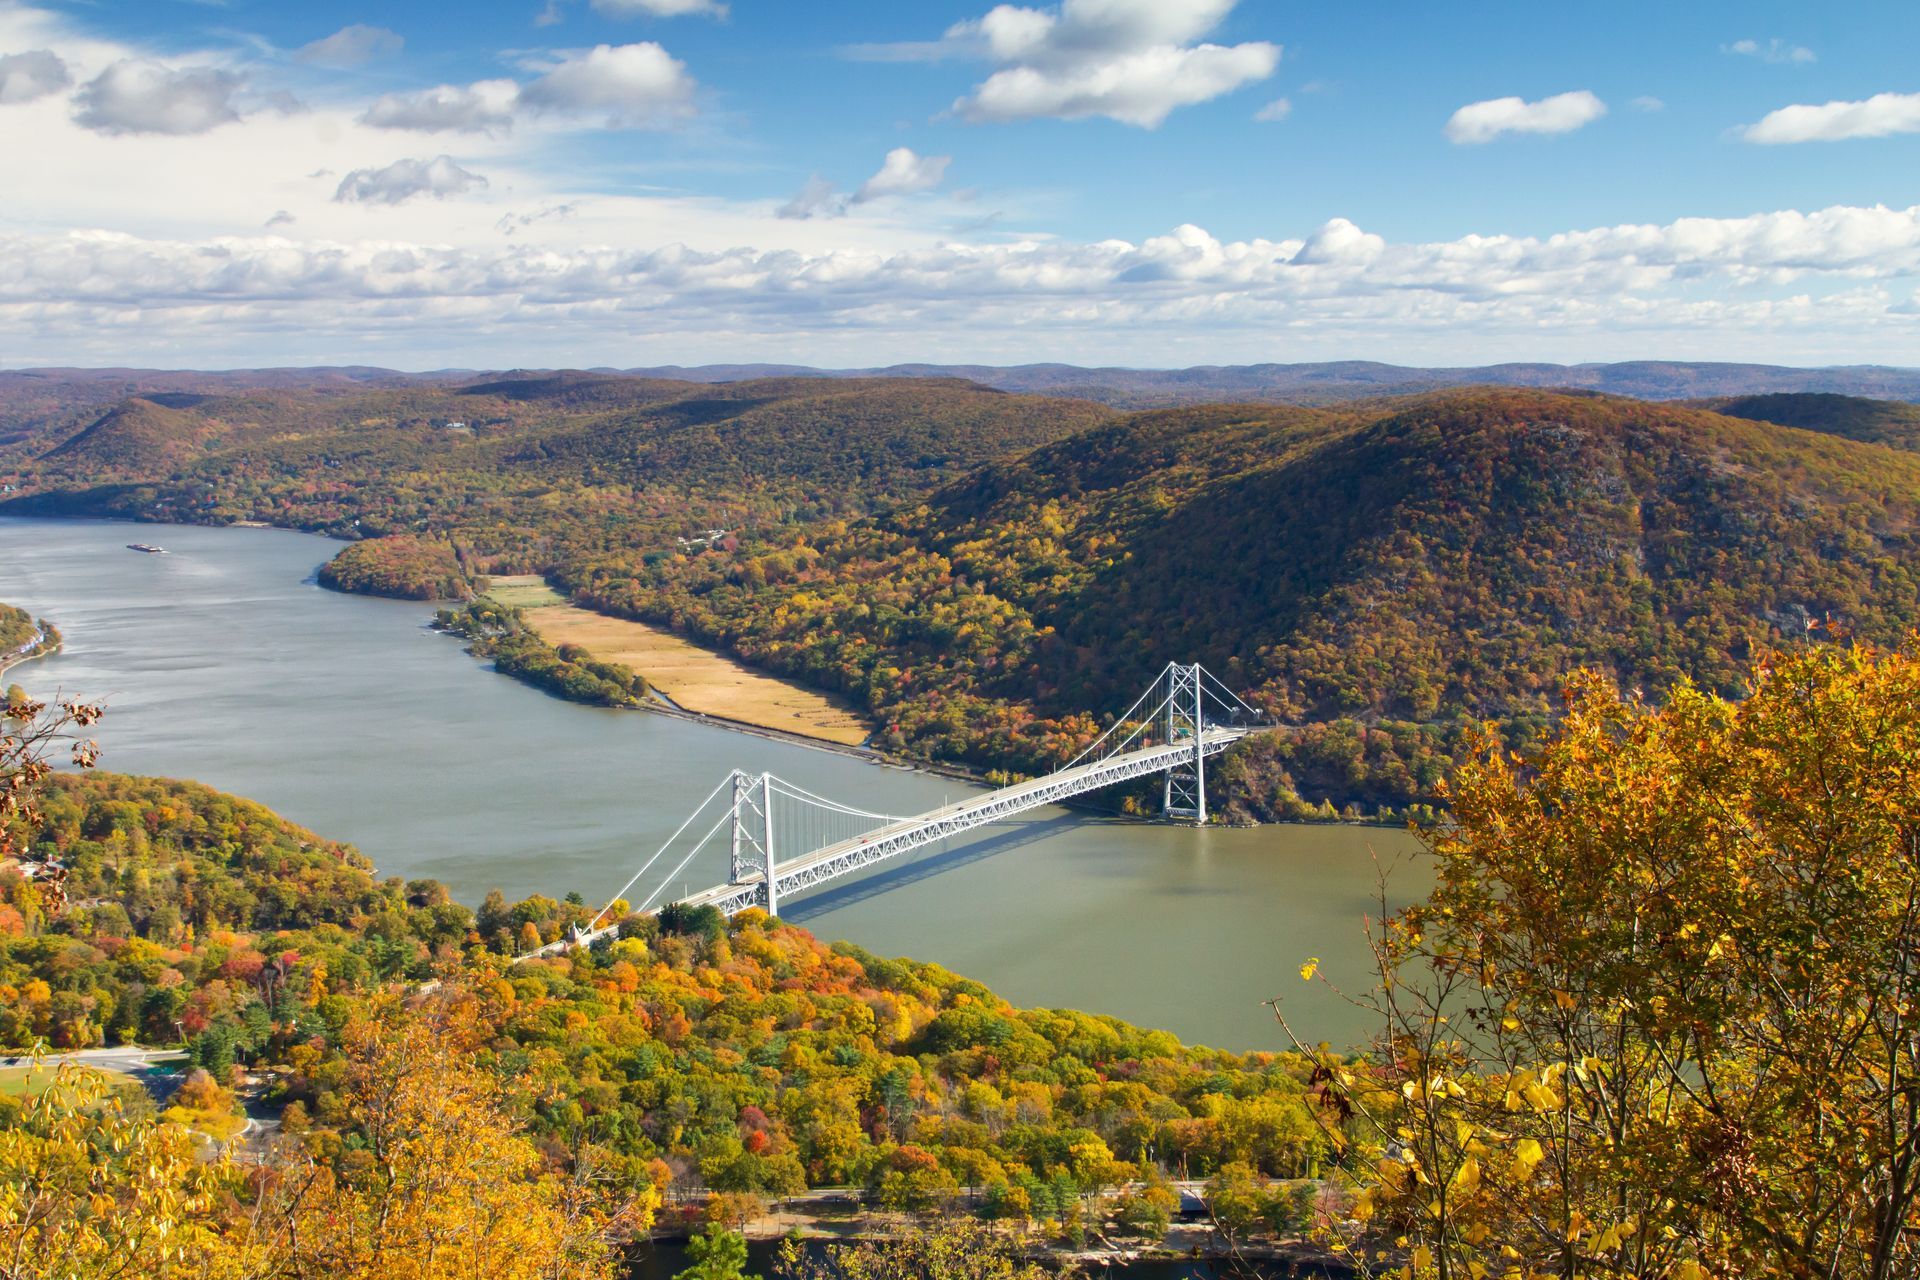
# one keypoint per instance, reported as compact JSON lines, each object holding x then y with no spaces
{"x":223,"y":661}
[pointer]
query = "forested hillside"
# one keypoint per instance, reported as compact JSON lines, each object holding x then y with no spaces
{"x":986,"y":573}
{"x":1382,"y":576}
{"x":1888,"y":422}
{"x":745,"y":1057}
{"x":526,"y":472}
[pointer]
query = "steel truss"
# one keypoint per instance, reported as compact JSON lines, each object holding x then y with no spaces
{"x":1168,"y":730}
{"x":847,"y":856}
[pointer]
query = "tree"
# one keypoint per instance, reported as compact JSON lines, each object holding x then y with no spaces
{"x":449,"y":1186}
{"x":1658,"y":1017}
{"x":31,"y":733}
{"x":719,"y":1254}
{"x":945,"y":1249}
{"x":89,"y":1191}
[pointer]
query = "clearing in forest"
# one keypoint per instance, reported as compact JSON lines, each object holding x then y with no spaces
{"x":694,"y":678}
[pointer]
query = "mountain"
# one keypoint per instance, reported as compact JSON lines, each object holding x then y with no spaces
{"x":1383,"y":574}
{"x":1888,"y":422}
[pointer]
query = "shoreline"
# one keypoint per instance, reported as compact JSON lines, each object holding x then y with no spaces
{"x":660,"y":705}
{"x":32,"y":652}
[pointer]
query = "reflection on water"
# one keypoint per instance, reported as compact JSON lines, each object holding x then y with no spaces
{"x":222,"y":661}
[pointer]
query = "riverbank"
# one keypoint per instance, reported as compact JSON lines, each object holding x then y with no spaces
{"x":44,"y":640}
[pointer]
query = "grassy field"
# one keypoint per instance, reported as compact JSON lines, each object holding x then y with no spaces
{"x":695,"y":678}
{"x":20,"y":1082}
{"x":523,"y":591}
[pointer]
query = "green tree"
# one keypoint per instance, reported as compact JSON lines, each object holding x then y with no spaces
{"x":718,"y":1254}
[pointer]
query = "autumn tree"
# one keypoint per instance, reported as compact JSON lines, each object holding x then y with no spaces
{"x":1658,"y":1017}
{"x":32,"y":733}
{"x":91,"y":1190}
{"x":944,"y":1249}
{"x":445,"y":1184}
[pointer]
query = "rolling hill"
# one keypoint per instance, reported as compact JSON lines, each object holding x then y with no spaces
{"x":1888,"y":422}
{"x":536,"y":469}
{"x":980,"y":570}
{"x":1385,"y":575}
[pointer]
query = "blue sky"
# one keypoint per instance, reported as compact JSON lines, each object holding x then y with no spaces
{"x":513,"y":182}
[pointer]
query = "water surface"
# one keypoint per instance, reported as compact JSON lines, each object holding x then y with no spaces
{"x":223,"y":661}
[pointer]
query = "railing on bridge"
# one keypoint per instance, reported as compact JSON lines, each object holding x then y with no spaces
{"x":783,"y":839}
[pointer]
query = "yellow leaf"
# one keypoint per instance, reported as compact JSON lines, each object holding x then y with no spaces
{"x":1526,"y":1154}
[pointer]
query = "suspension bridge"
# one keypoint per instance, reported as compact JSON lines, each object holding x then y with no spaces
{"x":783,"y":839}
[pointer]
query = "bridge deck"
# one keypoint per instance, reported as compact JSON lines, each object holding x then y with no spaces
{"x":794,"y":875}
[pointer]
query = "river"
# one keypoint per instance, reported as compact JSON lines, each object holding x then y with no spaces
{"x":224,"y":662}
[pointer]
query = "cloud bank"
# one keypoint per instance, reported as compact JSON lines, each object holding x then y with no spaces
{"x":1848,"y":269}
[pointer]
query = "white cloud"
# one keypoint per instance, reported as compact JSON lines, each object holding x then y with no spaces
{"x":281,"y":219}
{"x":631,"y":85}
{"x":903,"y":173}
{"x":1839,"y":279}
{"x":402,"y":180}
{"x":626,"y":86}
{"x":1774,"y":50}
{"x":351,"y":46}
{"x":1135,"y":61}
{"x":1648,"y":103}
{"x":138,"y":96}
{"x":1479,"y":122}
{"x":817,"y":199}
{"x":1337,"y":242}
{"x":34,"y":74}
{"x":1875,"y":117}
{"x":660,"y":8}
{"x":477,"y":108}
{"x":1274,"y":112}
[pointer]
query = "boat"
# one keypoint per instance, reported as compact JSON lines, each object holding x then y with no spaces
{"x":147,"y":547}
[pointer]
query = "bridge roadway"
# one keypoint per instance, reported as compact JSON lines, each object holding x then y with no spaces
{"x":830,"y":862}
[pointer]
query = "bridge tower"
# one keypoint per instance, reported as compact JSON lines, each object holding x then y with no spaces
{"x":1186,"y":721}
{"x":752,"y":823}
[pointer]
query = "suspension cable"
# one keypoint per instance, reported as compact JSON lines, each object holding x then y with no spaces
{"x":801,"y":794}
{"x":1236,"y":699}
{"x":725,"y":782}
{"x":1122,"y":718}
{"x":700,"y":844}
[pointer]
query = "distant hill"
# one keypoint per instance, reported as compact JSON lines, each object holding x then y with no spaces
{"x":140,"y":433}
{"x":43,"y":403}
{"x":1337,"y":381}
{"x":42,"y":406}
{"x":531,"y":470}
{"x":1888,"y":422}
{"x":1384,"y":574}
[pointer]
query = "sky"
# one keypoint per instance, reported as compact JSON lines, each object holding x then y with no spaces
{"x":847,"y":183}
